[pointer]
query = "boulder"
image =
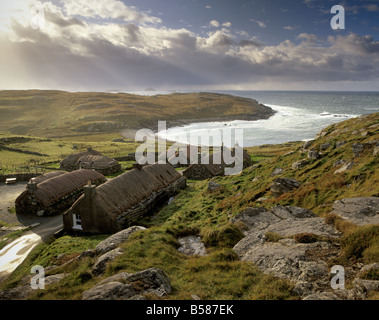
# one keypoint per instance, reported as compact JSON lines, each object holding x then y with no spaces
{"x":299,"y":164}
{"x":345,"y":167}
{"x":213,"y":186}
{"x":154,"y":280}
{"x":376,"y":151}
{"x":130,"y":286}
{"x":325,"y":146}
{"x":283,"y":185}
{"x":289,"y":212}
{"x":313,"y":154}
{"x":115,"y":240}
{"x":102,"y":262}
{"x":192,"y":245}
{"x":109,"y":291}
{"x":276,"y":172}
{"x":255,"y":218}
{"x":359,"y":210}
{"x":357,"y":149}
{"x":307,"y":144}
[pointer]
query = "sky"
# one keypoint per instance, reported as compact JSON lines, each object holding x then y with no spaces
{"x":103,"y":45}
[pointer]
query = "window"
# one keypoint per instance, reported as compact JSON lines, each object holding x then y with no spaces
{"x":77,"y":222}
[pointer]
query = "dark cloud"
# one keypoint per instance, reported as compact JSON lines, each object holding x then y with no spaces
{"x":84,"y":54}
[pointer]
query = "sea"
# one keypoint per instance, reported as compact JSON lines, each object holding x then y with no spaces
{"x":299,"y":116}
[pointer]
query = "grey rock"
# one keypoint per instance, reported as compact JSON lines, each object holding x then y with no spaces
{"x":368,"y":285}
{"x":276,"y":172}
{"x":376,"y":151}
{"x":345,"y":167}
{"x":283,"y":185}
{"x":213,"y":186}
{"x":289,"y":212}
{"x":322,"y":296}
{"x":325,"y":146}
{"x":123,"y":286}
{"x":102,"y":262}
{"x":109,"y":291}
{"x":85,"y":254}
{"x":192,"y":245}
{"x":369,"y":267}
{"x":307,"y":144}
{"x":339,"y":163}
{"x":115,"y":240}
{"x":339,"y":144}
{"x":155,"y":279}
{"x":313,"y":155}
{"x":357,"y":149}
{"x":255,"y":218}
{"x":359,"y":210}
{"x":299,"y":164}
{"x":290,"y":227}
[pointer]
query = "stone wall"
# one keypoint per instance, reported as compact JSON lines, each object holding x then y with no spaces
{"x":19,"y":176}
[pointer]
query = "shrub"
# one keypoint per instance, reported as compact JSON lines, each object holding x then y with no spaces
{"x":224,"y":255}
{"x":356,"y":242}
{"x":306,"y":237}
{"x":272,"y":237}
{"x":225,"y":236}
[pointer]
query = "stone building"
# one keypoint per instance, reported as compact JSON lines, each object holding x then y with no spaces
{"x":203,"y":171}
{"x":114,"y":205}
{"x":90,"y":159}
{"x":215,"y":164}
{"x":55,"y":194}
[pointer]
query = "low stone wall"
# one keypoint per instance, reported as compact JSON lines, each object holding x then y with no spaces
{"x":19,"y":176}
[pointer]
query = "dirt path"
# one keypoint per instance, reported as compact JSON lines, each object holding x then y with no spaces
{"x":15,"y":252}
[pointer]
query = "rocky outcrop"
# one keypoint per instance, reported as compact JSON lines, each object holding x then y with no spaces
{"x":213,"y":186}
{"x":313,"y":154}
{"x":304,"y":245}
{"x":131,"y":286}
{"x":102,"y":262}
{"x":115,"y":240}
{"x":299,"y":164}
{"x":360,"y":210}
{"x":345,"y":167}
{"x":283,"y":185}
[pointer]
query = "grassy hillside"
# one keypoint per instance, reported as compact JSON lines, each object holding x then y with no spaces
{"x":61,"y":114}
{"x":196,"y":211}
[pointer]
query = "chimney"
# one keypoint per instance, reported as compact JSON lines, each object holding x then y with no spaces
{"x":137,"y":166}
{"x":89,"y":191}
{"x":31,"y":186}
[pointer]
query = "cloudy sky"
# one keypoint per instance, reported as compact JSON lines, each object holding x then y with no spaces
{"x":188,"y":44}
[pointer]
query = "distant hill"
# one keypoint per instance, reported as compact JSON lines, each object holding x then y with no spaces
{"x":59,"y":113}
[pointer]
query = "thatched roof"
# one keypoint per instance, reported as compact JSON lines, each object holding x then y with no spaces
{"x":47,"y":176}
{"x":73,"y":159}
{"x":96,"y":162}
{"x":129,"y":189}
{"x":53,"y":189}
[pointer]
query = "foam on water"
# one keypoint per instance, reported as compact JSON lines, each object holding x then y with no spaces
{"x":288,"y":124}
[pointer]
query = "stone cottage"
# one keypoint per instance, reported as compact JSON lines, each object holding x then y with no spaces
{"x":56,"y":194}
{"x":215,"y":164}
{"x":114,"y":205}
{"x":90,"y":159}
{"x":203,"y":171}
